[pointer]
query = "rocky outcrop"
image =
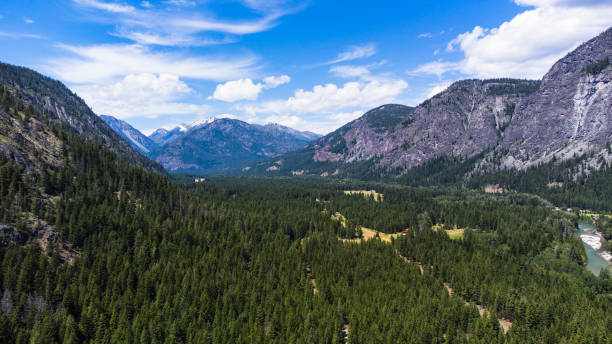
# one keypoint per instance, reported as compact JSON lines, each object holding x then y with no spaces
{"x":134,"y":137}
{"x":570,"y":114}
{"x":466,"y":119}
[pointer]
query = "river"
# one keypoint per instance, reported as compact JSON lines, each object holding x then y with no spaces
{"x":594,"y":262}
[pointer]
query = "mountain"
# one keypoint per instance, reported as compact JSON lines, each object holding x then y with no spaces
{"x":35,"y":142}
{"x":137,"y":139}
{"x":570,"y":114}
{"x":162,"y":136}
{"x":498,"y":123}
{"x":219,"y":144}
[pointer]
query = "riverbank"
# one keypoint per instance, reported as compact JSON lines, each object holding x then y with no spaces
{"x":593,"y":241}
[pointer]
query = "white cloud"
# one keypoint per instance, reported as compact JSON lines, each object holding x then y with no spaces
{"x":106,"y":6}
{"x":331,"y":98}
{"x":13,"y":35}
{"x":177,"y":22}
{"x":548,"y":3}
{"x":290,"y":121}
{"x":180,"y":2}
{"x":243,"y":89}
{"x":315,"y":124}
{"x":435,"y":67}
{"x":345,"y":117}
{"x":437,"y":89}
{"x":243,"y":28}
{"x":170,"y":40}
{"x":275,"y":81}
{"x":246,"y":89}
{"x":147,"y":95}
{"x":528,"y":44}
{"x":363,"y":72}
{"x":28,"y":20}
{"x":104,"y":63}
{"x":355,"y":52}
{"x":425,"y":35}
{"x":326,"y":107}
{"x":350,"y":71}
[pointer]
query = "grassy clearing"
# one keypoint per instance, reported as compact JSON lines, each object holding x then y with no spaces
{"x":454,"y":233}
{"x":368,"y":233}
{"x":378,"y":197}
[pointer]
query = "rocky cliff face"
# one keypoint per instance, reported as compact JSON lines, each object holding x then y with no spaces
{"x":138,"y":140}
{"x":570,"y":114}
{"x":466,"y":119}
{"x":512,"y":123}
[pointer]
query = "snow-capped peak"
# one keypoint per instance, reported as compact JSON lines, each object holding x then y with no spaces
{"x":200,"y":123}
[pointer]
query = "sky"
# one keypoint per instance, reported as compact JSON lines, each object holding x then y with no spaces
{"x":309,"y":64}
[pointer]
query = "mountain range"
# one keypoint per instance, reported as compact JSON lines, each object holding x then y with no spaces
{"x":495,"y":124}
{"x":212,"y":145}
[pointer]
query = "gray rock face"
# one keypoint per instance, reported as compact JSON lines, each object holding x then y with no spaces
{"x":570,"y":113}
{"x":137,"y":139}
{"x":464,"y":120}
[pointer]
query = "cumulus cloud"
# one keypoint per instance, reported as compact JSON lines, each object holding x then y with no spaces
{"x":330,"y":98}
{"x":28,"y":20}
{"x":527,"y":45}
{"x":246,"y":89}
{"x":275,"y":81}
{"x":355,"y":52}
{"x":104,"y":63}
{"x":146,"y":94}
{"x":290,"y":121}
{"x":242,"y":89}
{"x":326,"y":107}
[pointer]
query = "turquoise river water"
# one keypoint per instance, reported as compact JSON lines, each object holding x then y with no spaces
{"x":594,"y":262}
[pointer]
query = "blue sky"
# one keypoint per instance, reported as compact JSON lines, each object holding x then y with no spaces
{"x":312,"y":65}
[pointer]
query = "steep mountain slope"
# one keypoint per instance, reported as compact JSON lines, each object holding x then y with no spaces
{"x":137,"y":139}
{"x":219,"y":144}
{"x":476,"y":126}
{"x":162,"y":136}
{"x":60,"y":106}
{"x":466,"y":119}
{"x":570,"y":114}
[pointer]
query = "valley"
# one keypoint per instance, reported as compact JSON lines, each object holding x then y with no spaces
{"x":459,"y":220}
